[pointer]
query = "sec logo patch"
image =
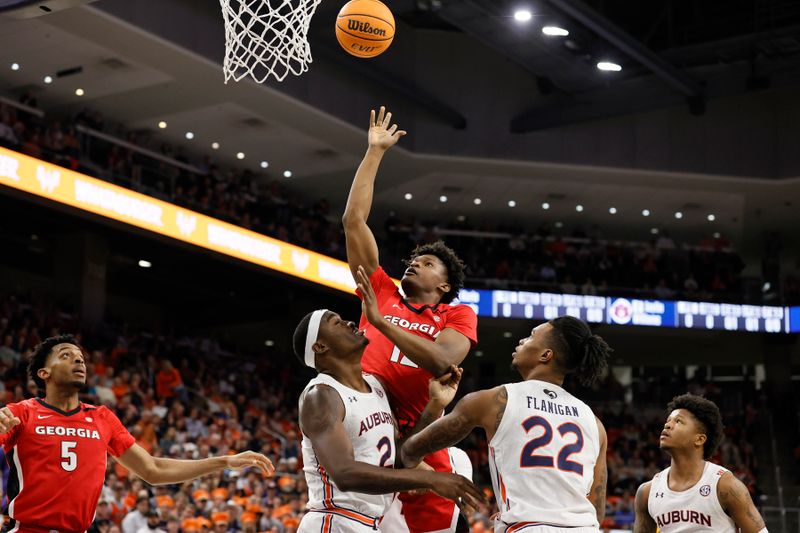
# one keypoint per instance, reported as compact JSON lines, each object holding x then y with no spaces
{"x":705,"y":490}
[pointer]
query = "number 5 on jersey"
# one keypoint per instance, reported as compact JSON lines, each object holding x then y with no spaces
{"x":397,"y":357}
{"x":69,"y":458}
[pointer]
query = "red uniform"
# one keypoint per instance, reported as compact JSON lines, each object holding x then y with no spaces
{"x":407,"y":384}
{"x":58,"y":464}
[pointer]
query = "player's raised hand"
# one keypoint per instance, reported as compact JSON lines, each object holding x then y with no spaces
{"x":251,"y":460}
{"x":7,"y":420}
{"x":459,"y":489}
{"x":369,"y":303}
{"x":443,"y":389}
{"x":382,"y":133}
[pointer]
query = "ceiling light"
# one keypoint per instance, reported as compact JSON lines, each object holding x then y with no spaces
{"x":559,"y":224}
{"x":522,"y":15}
{"x":579,"y":208}
{"x":555,"y":31}
{"x":215,"y":145}
{"x":654,"y":231}
{"x":189,"y":135}
{"x":711,"y":218}
{"x":264,"y":164}
{"x":512,"y":203}
{"x":612,"y":210}
{"x":408,"y":196}
{"x":79,"y":92}
{"x":609,"y":66}
{"x":443,"y":198}
{"x":678,"y":215}
{"x":507,"y":334}
{"x":269,"y":343}
{"x":240,"y":155}
{"x":14,"y":66}
{"x":48,"y":79}
{"x":461,"y":218}
{"x":287,"y":173}
{"x":162,"y":125}
{"x":717,"y":235}
{"x":545,"y":206}
{"x":144,"y":263}
{"x":477,"y":201}
{"x":478,"y":353}
{"x":645,"y":212}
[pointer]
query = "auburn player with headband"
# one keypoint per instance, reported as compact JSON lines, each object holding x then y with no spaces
{"x":349,"y":433}
{"x":412,"y":338}
{"x":547,"y":450}
{"x":693,"y":494}
{"x":56,"y":448}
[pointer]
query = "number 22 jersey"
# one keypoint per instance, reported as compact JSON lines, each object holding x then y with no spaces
{"x":542,"y":458}
{"x":58,"y":463}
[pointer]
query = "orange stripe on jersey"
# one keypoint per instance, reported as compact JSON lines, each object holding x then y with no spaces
{"x":326,"y":524}
{"x":519,"y":526}
{"x":499,"y":479}
{"x":350,"y":515}
{"x":326,"y":484}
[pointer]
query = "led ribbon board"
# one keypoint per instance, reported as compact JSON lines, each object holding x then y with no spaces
{"x":117,"y":203}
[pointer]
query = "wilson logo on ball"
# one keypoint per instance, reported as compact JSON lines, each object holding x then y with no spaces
{"x":365,"y":27}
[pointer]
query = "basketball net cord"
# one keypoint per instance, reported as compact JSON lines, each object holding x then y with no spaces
{"x":266,"y":38}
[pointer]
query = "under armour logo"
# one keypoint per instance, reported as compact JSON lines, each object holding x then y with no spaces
{"x":550,"y":393}
{"x":352,"y":399}
{"x":395,"y":306}
{"x":89,"y":419}
{"x":659,"y":494}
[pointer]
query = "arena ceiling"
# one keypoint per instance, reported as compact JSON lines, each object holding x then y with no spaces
{"x":702,"y":119}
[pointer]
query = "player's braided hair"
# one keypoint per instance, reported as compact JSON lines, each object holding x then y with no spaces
{"x":707,"y":414}
{"x":299,"y":338}
{"x":38,"y":357}
{"x":454,"y":265}
{"x":578,"y":351}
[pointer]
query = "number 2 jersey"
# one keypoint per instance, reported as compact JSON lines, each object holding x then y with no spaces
{"x":369,"y":424}
{"x":542,"y":458}
{"x":58,"y":464}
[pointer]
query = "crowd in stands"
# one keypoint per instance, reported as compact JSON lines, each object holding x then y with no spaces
{"x":187,"y":397}
{"x":546,"y":258}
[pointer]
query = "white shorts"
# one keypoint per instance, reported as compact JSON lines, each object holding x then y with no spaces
{"x":320,"y":522}
{"x":500,"y":527}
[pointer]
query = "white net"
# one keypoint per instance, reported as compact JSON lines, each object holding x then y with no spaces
{"x":266,"y":38}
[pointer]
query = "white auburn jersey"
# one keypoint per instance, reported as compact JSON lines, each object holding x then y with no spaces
{"x":691,"y":510}
{"x":542,"y":458}
{"x":369,"y":423}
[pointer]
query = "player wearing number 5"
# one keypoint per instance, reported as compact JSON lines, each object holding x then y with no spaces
{"x":56,"y":448}
{"x":412,"y":338}
{"x":547,"y":450}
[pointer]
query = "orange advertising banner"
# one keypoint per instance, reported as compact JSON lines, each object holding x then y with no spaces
{"x":71,"y":188}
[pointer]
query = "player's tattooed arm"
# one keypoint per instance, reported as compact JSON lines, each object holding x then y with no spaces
{"x":361,"y":246}
{"x":470,"y":412}
{"x":644,"y":522}
{"x":597,"y":494}
{"x":737,"y":503}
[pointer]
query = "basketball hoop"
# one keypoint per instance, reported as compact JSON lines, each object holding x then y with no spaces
{"x":266,"y":38}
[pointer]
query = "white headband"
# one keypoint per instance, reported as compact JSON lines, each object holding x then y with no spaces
{"x":311,"y":336}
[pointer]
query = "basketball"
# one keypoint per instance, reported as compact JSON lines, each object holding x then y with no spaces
{"x":365,"y":28}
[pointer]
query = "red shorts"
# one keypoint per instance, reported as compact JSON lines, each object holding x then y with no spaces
{"x":429,"y":511}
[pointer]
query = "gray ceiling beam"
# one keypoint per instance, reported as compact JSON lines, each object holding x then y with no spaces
{"x":672,"y":76}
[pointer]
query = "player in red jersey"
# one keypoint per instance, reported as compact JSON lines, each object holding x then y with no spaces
{"x":56,"y":448}
{"x":412,"y":338}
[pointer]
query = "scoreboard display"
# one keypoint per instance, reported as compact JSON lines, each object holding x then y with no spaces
{"x":633,"y":311}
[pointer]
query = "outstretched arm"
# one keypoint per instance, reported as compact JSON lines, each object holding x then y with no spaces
{"x":644,"y":522}
{"x":361,"y":246}
{"x":163,"y":471}
{"x":476,"y":409}
{"x":321,"y":415}
{"x":450,"y":347}
{"x":737,"y":503}
{"x":597,"y":494}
